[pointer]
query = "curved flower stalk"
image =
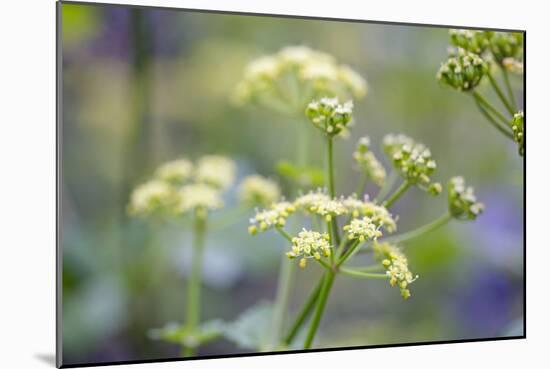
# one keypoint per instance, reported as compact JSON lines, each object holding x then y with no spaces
{"x":475,"y":58}
{"x":180,"y":188}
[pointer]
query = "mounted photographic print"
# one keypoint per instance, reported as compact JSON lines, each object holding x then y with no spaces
{"x":238,"y":184}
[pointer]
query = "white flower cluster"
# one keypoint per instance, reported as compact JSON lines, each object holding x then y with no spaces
{"x":274,"y":216}
{"x":362,"y":229}
{"x":462,"y":200}
{"x":330,"y":116}
{"x":413,"y":160}
{"x":368,"y":163}
{"x":153,"y":197}
{"x":257,"y":190}
{"x":176,"y":171}
{"x":310,"y":244}
{"x":215,"y":170}
{"x":474,"y":41}
{"x":317,"y":74}
{"x":179,"y":186}
{"x":396,"y":265}
{"x":319,"y":203}
{"x":463,"y":71}
{"x":198,"y":196}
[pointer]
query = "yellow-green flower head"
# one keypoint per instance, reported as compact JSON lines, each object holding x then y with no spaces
{"x":396,"y":265}
{"x":316,"y":73}
{"x":368,"y":163}
{"x":256,"y":190}
{"x":329,"y":115}
{"x":362,"y":229}
{"x":473,"y":41}
{"x":505,"y":45}
{"x":175,"y":172}
{"x":310,"y":244}
{"x":319,"y":203}
{"x":413,"y":161}
{"x":274,"y":216}
{"x":463,"y":71}
{"x":462,"y":200}
{"x":152,"y":198}
{"x":518,"y":128}
{"x":198,"y":197}
{"x":311,"y":199}
{"x":215,"y":170}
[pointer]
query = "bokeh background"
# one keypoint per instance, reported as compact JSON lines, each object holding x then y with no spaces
{"x":142,"y":86}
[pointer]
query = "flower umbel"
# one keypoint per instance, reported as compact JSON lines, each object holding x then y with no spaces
{"x":413,"y":160}
{"x":329,"y":115}
{"x":368,"y":163}
{"x":518,"y":127}
{"x":175,"y":172}
{"x":462,"y":200}
{"x":257,"y":190}
{"x":215,"y":170}
{"x":473,"y":41}
{"x":316,"y":73}
{"x":199,"y":197}
{"x":396,"y":265}
{"x":362,"y":229}
{"x":463,"y":71}
{"x":152,"y":198}
{"x":274,"y":216}
{"x":310,"y":244}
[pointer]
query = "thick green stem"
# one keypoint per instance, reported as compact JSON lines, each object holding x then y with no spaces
{"x":400,"y":191}
{"x":509,"y":88}
{"x":503,"y":129}
{"x":194,"y":282}
{"x":485,"y":103}
{"x":283,"y":293}
{"x":304,"y":313}
{"x":320,"y":308}
{"x":407,"y":236}
{"x":500,"y":94}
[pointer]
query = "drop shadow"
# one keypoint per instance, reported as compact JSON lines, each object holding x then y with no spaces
{"x":46,"y":358}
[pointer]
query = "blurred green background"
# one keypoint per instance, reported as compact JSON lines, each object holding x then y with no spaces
{"x":142,"y":86}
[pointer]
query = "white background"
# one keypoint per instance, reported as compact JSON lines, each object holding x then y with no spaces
{"x":27,"y":180}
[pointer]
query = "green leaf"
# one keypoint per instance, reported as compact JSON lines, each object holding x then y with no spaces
{"x":304,"y":176}
{"x":252,"y":328}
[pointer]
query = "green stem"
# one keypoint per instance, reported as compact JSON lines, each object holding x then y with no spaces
{"x":304,"y":313}
{"x":330,"y":168}
{"x":348,"y":253}
{"x":360,"y":274}
{"x":400,"y":191}
{"x":407,"y":236}
{"x":503,"y":129}
{"x":484,"y":102}
{"x":509,"y":88}
{"x":500,"y":94}
{"x":362,"y":185}
{"x":386,"y":188}
{"x":284,"y":234}
{"x":283,"y":293}
{"x":320,"y":308}
{"x":194,"y":282}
